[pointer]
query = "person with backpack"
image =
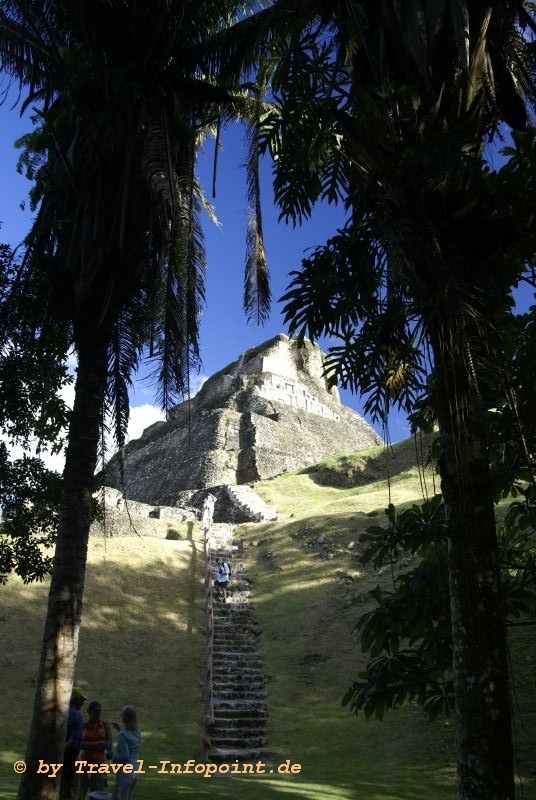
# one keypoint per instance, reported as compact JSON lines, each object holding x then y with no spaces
{"x":223,"y":576}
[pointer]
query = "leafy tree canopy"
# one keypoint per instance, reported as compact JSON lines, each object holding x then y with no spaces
{"x":33,"y":417}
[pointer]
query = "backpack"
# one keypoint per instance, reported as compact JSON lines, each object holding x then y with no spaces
{"x":222,"y":569}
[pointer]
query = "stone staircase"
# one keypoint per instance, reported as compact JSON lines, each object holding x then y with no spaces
{"x":250,"y":504}
{"x":220,"y":536}
{"x":239,"y":696}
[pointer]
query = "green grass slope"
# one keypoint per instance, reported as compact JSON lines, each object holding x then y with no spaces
{"x":142,"y":642}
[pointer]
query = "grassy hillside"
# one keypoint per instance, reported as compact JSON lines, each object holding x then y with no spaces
{"x":143,"y":642}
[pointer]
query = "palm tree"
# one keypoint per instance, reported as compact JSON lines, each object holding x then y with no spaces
{"x":397,"y":102}
{"x":116,"y":245}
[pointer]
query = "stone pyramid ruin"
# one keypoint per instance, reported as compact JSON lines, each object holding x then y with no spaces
{"x":268,"y":412}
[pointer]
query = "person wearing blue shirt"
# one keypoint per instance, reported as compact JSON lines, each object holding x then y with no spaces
{"x":73,"y":740}
{"x":127,"y":750}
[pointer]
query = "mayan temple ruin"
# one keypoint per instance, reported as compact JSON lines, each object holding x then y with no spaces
{"x":268,"y":412}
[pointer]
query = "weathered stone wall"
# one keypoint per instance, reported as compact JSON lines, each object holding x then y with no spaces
{"x":266,"y":413}
{"x":132,"y":518}
{"x":290,"y":392}
{"x":202,"y":452}
{"x":296,"y":438}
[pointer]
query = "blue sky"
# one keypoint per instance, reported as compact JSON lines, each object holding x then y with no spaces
{"x":225,"y":332}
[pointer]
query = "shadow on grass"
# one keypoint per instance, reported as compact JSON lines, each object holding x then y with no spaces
{"x":365,"y":467}
{"x":302,"y":606}
{"x":311,"y":786}
{"x":142,"y":642}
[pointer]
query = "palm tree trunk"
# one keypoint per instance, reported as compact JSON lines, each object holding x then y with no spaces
{"x":480,"y":666}
{"x":60,"y":640}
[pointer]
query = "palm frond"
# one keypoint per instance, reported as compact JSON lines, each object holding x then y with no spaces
{"x":125,"y":351}
{"x":233,"y":52}
{"x":459,"y":15}
{"x":179,"y":292}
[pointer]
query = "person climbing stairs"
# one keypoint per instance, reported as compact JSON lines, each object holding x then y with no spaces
{"x":236,"y":708}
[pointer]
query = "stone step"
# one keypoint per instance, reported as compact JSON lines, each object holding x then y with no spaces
{"x":226,"y":555}
{"x":227,"y":671}
{"x":238,"y":694}
{"x":243,"y":672}
{"x":231,"y":615}
{"x":234,"y":656}
{"x":241,"y":596}
{"x":229,"y":653}
{"x":255,"y":679}
{"x":226,"y":685}
{"x":251,"y":725}
{"x":246,"y":708}
{"x":227,"y":625}
{"x":238,"y":654}
{"x":221,"y":545}
{"x":240,"y":645}
{"x":249,"y":661}
{"x":217,"y":649}
{"x":224,"y":740}
{"x":230,"y":645}
{"x":249,"y":502}
{"x":228,"y":648}
{"x":240,"y":678}
{"x":229,"y":683}
{"x":247,"y":676}
{"x":241,"y":593}
{"x":240,"y":720}
{"x":221,"y":755}
{"x":234,"y":613}
{"x":221,"y":638}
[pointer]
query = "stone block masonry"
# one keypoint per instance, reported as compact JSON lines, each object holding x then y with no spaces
{"x":268,"y":412}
